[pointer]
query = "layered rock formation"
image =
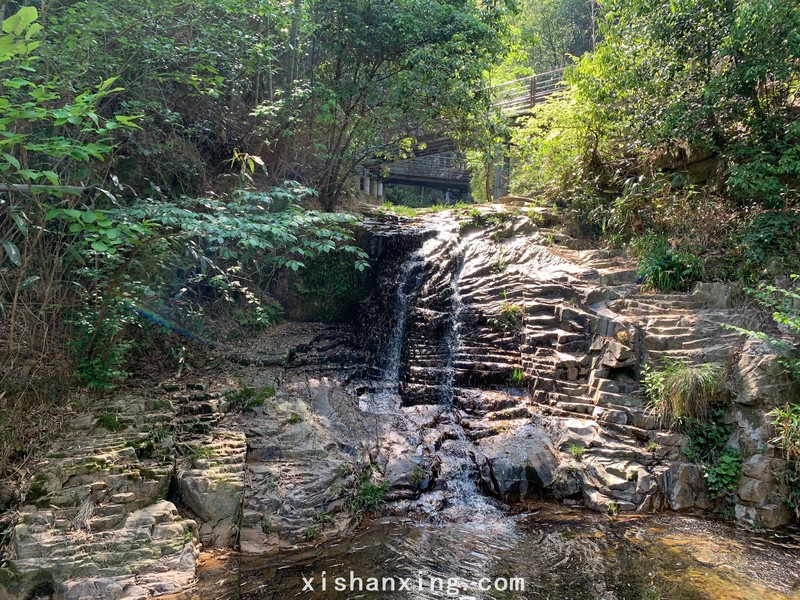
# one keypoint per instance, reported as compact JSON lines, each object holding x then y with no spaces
{"x":495,"y":362}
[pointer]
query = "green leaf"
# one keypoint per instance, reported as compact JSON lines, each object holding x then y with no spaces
{"x":21,"y":224}
{"x":12,"y":252}
{"x":11,"y":160}
{"x":28,"y":282}
{"x":99,"y":246}
{"x":18,"y":22}
{"x":52,"y":177}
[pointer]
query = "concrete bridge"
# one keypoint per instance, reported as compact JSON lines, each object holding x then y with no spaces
{"x":437,"y":163}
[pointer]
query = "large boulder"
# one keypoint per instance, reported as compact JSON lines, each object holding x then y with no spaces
{"x":688,"y":488}
{"x":518,"y":465}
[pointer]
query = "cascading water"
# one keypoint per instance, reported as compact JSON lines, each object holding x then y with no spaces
{"x":419,"y":362}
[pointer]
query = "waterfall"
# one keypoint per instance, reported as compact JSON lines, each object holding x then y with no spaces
{"x":453,"y":337}
{"x":419,"y":362}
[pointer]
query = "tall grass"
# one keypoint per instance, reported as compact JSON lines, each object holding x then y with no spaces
{"x":681,"y":390}
{"x":787,"y":425}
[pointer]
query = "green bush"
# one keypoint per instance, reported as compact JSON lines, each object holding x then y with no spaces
{"x":784,"y":304}
{"x":791,"y":479}
{"x":367,"y":495}
{"x":708,"y":447}
{"x":679,"y":390}
{"x":722,"y":478}
{"x":664,"y":268}
{"x":770,"y":236}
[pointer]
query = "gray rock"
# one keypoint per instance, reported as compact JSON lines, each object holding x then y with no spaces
{"x":688,"y":489}
{"x":519,"y":465}
{"x":755,"y":491}
{"x":713,"y":295}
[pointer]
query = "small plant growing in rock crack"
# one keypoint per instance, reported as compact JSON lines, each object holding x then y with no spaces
{"x":200,"y":452}
{"x":367,"y":494}
{"x":498,"y":266}
{"x":294,"y":419}
{"x":652,"y":447}
{"x":680,"y":390}
{"x":612,"y":508}
{"x":248,"y":398}
{"x":517,"y":378}
{"x":622,"y":336}
{"x":787,"y":426}
{"x":322,"y":517}
{"x":310,"y":533}
{"x":790,"y":478}
{"x":722,"y":478}
{"x":576,"y":451}
{"x":511,"y":317}
{"x":111,"y":422}
{"x":418,"y":476}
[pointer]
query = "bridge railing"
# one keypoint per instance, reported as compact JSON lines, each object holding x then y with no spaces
{"x":445,"y":168}
{"x":517,"y":97}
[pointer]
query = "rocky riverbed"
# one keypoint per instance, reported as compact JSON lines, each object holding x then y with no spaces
{"x":496,"y":362}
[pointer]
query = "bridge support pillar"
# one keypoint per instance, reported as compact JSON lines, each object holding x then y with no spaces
{"x":501,"y":173}
{"x":365,"y":182}
{"x":380,"y":190}
{"x":373,"y":188}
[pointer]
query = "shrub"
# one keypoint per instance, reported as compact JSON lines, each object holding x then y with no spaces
{"x":722,"y":478}
{"x":680,"y":390}
{"x":721,"y":464}
{"x":784,"y":303}
{"x":791,"y":479}
{"x":664,"y":268}
{"x":366,"y":495}
{"x":771,"y":235}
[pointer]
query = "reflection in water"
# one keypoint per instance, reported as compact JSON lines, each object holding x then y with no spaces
{"x":560,"y":554}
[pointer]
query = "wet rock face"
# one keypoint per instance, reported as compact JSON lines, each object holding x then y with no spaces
{"x":502,"y":326}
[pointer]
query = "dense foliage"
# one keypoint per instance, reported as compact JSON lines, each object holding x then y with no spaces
{"x":684,"y":121}
{"x":313,"y":88}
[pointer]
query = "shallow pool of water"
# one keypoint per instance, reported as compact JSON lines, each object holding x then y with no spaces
{"x":552,"y":553}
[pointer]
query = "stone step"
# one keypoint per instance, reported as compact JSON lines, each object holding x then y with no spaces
{"x":708,"y":342}
{"x":614,"y":386}
{"x":573,"y":389}
{"x":617,"y":276}
{"x":705,"y":354}
{"x":666,"y":342}
{"x":665,"y":322}
{"x":613,"y":400}
{"x":579,"y":408}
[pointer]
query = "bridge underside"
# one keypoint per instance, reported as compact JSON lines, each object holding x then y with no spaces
{"x":438,"y":164}
{"x":430,"y":182}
